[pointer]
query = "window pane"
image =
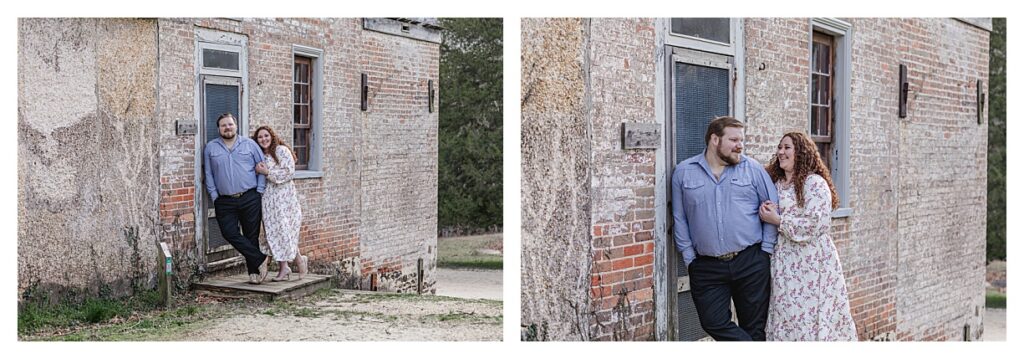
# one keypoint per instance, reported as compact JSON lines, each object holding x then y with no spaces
{"x":824,"y":150}
{"x":303,"y":156}
{"x":823,"y":121}
{"x":220,"y":59}
{"x":714,"y":29}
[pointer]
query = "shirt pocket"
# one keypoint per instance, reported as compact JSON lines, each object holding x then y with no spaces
{"x":244,"y":158}
{"x":693,"y":193}
{"x":744,"y":194}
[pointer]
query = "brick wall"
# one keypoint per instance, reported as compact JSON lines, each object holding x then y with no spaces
{"x":942,"y":172}
{"x":913,"y":249}
{"x":621,"y":77}
{"x":869,"y":251}
{"x":374,"y":208}
{"x":398,"y":153}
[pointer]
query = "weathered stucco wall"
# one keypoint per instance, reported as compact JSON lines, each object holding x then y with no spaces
{"x":556,"y":167}
{"x":87,"y":157}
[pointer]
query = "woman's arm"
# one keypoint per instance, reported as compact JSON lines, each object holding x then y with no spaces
{"x":284,"y":170}
{"x":813,"y":220}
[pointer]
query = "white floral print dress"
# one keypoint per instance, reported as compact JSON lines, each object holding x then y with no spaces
{"x":282,"y":215}
{"x":809,"y":300}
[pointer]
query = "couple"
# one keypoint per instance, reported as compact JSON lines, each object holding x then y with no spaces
{"x":237,"y":171}
{"x":729,"y":212}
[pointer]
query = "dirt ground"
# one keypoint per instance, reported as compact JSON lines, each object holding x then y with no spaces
{"x":995,"y":325}
{"x":469,"y":283}
{"x":358,"y":316}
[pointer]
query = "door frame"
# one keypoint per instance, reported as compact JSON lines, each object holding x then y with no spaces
{"x":226,"y":41}
{"x":669,"y":47}
{"x":242,"y":129}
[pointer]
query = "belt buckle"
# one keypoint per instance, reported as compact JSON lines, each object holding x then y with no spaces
{"x":236,"y":195}
{"x":727,"y":256}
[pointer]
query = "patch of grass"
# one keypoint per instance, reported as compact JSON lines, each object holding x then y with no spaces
{"x":462,"y":316}
{"x":34,"y":317}
{"x":306,"y":313}
{"x":147,"y":326}
{"x":995,"y":300}
{"x":463,"y":252}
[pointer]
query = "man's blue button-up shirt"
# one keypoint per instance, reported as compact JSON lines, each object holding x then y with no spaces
{"x":712,"y":217}
{"x":232,"y":171}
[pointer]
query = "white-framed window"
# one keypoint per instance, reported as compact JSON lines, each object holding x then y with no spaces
{"x":715,"y":35}
{"x":722,"y":36}
{"x":829,"y":101}
{"x":222,"y":54}
{"x":307,"y":110}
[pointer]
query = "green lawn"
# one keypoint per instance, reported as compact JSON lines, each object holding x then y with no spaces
{"x":995,"y":300}
{"x":463,"y":252}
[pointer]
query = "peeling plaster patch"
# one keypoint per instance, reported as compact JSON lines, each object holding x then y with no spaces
{"x":62,"y":62}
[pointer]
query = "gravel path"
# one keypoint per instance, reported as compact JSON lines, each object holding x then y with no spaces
{"x":469,"y":283}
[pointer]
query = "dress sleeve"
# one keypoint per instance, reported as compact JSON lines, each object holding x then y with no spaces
{"x":813,"y":220}
{"x":284,"y":170}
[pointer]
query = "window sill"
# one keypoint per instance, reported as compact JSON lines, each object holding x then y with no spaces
{"x":301,"y":174}
{"x":842,"y":212}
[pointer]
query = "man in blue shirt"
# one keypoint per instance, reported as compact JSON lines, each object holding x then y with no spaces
{"x":717,"y":230}
{"x":237,"y":192}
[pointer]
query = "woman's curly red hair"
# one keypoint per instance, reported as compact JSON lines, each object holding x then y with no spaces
{"x":806,"y":162}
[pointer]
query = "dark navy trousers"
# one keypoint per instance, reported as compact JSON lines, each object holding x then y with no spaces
{"x":746,"y":280}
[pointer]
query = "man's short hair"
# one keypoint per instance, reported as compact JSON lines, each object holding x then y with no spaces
{"x":225,"y":116}
{"x":718,"y":125}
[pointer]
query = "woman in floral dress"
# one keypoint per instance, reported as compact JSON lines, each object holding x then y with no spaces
{"x":282,"y":215}
{"x":808,"y":298}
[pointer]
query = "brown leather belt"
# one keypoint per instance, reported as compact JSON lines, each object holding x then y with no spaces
{"x":239,"y":194}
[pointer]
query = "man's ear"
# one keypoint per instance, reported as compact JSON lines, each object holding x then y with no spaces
{"x":714,"y":140}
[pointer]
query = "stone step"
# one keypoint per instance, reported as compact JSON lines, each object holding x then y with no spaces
{"x":237,"y":286}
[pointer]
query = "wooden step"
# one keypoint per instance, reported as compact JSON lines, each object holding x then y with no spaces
{"x":237,"y":286}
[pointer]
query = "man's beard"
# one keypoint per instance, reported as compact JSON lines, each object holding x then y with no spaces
{"x":728,"y":159}
{"x":227,"y":137}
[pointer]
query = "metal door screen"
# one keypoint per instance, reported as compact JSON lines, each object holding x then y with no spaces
{"x":701,"y":94}
{"x":218,"y":99}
